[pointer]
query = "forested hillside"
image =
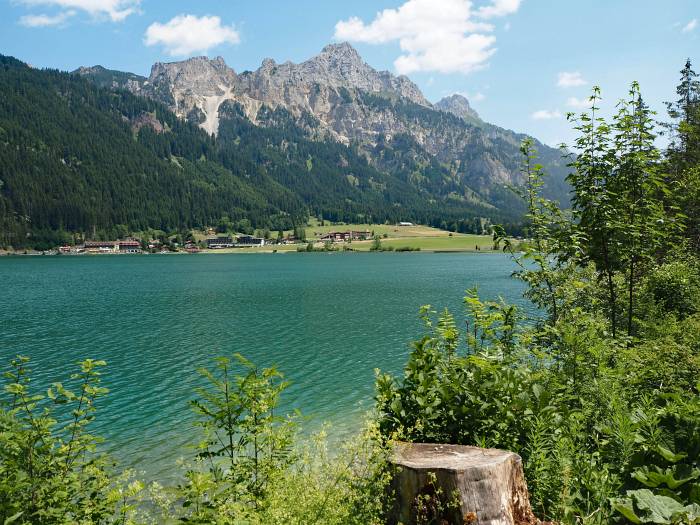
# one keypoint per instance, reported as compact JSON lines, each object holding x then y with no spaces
{"x":82,"y":159}
{"x":76,"y":158}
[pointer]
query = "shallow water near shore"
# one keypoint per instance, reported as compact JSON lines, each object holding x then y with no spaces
{"x":325,"y":320}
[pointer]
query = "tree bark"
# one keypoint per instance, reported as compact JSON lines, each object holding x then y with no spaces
{"x":458,"y":485}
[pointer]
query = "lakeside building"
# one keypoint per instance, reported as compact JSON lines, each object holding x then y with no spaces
{"x":130,"y":246}
{"x":405,"y":224}
{"x":215,"y":243}
{"x":346,"y":236}
{"x":127,"y":246}
{"x":101,"y":246}
{"x":249,"y":240}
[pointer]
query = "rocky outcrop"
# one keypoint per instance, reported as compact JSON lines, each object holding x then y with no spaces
{"x":193,"y":89}
{"x":459,"y":106}
{"x":147,"y":119}
{"x":109,"y":78}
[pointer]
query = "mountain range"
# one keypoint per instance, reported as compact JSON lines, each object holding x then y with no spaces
{"x":336,"y":95}
{"x":330,"y":136}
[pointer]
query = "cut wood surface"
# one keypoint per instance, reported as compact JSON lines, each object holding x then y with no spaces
{"x":457,"y":485}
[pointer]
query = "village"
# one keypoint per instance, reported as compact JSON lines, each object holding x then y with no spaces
{"x":213,"y":241}
{"x":315,"y":236}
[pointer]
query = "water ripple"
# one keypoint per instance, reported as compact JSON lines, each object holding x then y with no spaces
{"x":326,"y":322}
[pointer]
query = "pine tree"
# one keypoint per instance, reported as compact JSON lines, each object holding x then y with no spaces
{"x":684,"y":150}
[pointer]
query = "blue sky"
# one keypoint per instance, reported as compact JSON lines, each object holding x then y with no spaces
{"x":522,"y":63}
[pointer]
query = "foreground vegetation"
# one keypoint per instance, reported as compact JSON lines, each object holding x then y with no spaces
{"x":600,"y":395}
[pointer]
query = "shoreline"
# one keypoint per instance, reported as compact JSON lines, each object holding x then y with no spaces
{"x":246,"y":251}
{"x":433,"y":242}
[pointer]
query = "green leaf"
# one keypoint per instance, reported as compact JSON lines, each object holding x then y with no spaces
{"x":13,"y":518}
{"x":670,"y":456}
{"x":656,"y":509}
{"x":625,"y":507}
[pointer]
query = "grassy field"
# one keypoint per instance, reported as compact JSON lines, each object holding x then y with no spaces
{"x":315,"y":231}
{"x":424,"y":238}
{"x":456,"y":243}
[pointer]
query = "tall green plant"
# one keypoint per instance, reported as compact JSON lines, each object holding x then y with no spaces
{"x":50,"y":469}
{"x":551,"y":240}
{"x":245,"y":441}
{"x":641,"y":219}
{"x":594,"y":199}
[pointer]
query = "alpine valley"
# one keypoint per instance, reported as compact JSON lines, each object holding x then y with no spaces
{"x":107,"y":151}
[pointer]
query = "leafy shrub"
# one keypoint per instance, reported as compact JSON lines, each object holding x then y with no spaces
{"x":249,"y":467}
{"x":674,"y":287}
{"x":50,"y":470}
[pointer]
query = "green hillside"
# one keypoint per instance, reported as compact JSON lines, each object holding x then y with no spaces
{"x":81,"y":159}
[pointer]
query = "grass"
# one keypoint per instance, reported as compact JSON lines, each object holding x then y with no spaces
{"x":456,"y":243}
{"x":424,"y":238}
{"x":314,"y":230}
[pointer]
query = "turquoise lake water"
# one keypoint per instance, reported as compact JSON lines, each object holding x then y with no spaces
{"x":325,"y":320}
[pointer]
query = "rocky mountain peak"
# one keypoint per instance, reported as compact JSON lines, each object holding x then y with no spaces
{"x":90,"y":70}
{"x":200,"y":75}
{"x":457,"y":105}
{"x":342,"y":51}
{"x":338,"y":63}
{"x":268,"y":64}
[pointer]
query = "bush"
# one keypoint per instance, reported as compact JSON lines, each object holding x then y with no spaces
{"x":583,"y":410}
{"x":50,"y":470}
{"x":674,"y":287}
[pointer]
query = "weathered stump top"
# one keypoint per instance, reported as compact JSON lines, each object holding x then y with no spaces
{"x":449,"y":457}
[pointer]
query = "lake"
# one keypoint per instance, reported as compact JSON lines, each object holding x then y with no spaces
{"x":325,"y":320}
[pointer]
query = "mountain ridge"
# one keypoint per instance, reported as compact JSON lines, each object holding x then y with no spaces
{"x":336,"y":95}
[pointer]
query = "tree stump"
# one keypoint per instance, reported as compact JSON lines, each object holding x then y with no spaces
{"x":457,"y":485}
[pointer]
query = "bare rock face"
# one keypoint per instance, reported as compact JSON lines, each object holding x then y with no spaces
{"x":322,"y":86}
{"x":147,"y":119}
{"x":194,"y":88}
{"x":456,"y":485}
{"x":458,"y":106}
{"x":337,"y":66}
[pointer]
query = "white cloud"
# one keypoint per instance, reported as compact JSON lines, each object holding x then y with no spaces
{"x":45,"y":20}
{"x":115,"y":10}
{"x":499,"y":8}
{"x":578,"y":103}
{"x":690,"y":26}
{"x":546,"y":114}
{"x":447,"y":36}
{"x":188,"y":34}
{"x":570,"y":79}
